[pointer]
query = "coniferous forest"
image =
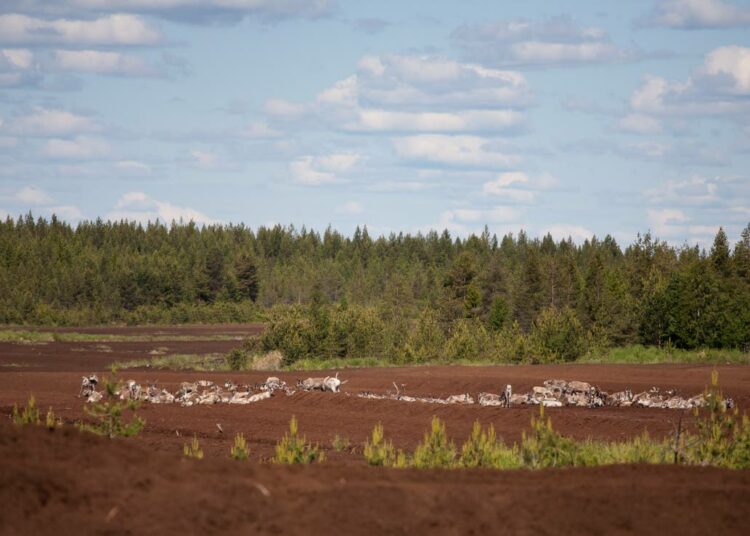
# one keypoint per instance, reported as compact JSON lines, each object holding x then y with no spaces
{"x":414,"y":296}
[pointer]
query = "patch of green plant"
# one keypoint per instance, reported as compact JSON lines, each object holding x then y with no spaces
{"x":338,"y":363}
{"x":197,"y":362}
{"x":721,"y":438}
{"x":193,"y":449}
{"x":237,"y":359}
{"x":483,"y":449}
{"x":51,"y":421}
{"x":294,"y":449}
{"x":20,"y":336}
{"x":436,"y":450}
{"x":638,"y":354}
{"x":340,"y":443}
{"x":239,"y":450}
{"x":544,"y":447}
{"x":28,"y":414}
{"x":378,"y":451}
{"x":109,"y":413}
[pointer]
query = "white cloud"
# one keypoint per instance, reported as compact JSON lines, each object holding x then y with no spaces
{"x":468,"y":151}
{"x":317,"y":170}
{"x":712,"y":88}
{"x":259,"y":130}
{"x":410,"y":93}
{"x":192,"y":11}
{"x":21,"y":58}
{"x":98,"y":62}
{"x":48,"y":122}
{"x":732,"y":62}
{"x":140,"y":207}
{"x":556,"y":41}
{"x":399,"y":186}
{"x":561,"y":231}
{"x":695,"y":191}
{"x":80,"y":147}
{"x":284,"y":109}
{"x":640,"y":124}
{"x":115,"y":29}
{"x":69,"y":213}
{"x":462,"y":121}
{"x":133,"y":167}
{"x":518,"y":187}
{"x":465,"y":221}
{"x":693,"y":14}
{"x":667,"y":222}
{"x":351,"y":208}
{"x":31,"y":195}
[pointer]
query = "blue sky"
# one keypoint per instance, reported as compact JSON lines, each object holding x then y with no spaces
{"x":575,"y":118}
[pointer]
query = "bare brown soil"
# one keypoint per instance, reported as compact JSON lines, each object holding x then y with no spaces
{"x":94,"y":356}
{"x":57,"y":481}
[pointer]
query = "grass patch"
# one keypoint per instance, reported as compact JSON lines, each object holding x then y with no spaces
{"x":642,"y":355}
{"x":197,"y":362}
{"x":40,"y":337}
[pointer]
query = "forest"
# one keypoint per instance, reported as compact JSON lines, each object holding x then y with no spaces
{"x":409,"y":296}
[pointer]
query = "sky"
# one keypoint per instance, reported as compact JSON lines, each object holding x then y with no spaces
{"x":573,"y":118}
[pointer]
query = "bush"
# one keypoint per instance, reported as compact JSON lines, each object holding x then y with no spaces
{"x":294,"y":449}
{"x":557,"y":335}
{"x":108,"y":414}
{"x":379,"y":452}
{"x":435,"y":451}
{"x":237,"y":359}
{"x":239,"y":450}
{"x":720,"y":439}
{"x":340,"y":444}
{"x":193,"y":449}
{"x":469,"y":341}
{"x":28,"y":415}
{"x":544,"y":447}
{"x":482,"y":449}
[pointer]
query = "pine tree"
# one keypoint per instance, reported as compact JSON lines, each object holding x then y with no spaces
{"x":247,"y":277}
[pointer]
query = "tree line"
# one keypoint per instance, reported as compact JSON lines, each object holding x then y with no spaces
{"x":648,"y":292}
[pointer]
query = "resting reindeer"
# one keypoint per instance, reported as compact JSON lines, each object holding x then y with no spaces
{"x":329,"y":383}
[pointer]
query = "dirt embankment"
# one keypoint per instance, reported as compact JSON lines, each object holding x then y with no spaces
{"x":65,"y":482}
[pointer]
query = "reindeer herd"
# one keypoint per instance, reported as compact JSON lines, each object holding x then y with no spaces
{"x":553,"y":393}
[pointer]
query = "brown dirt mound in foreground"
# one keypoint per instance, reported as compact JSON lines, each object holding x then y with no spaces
{"x":65,"y":482}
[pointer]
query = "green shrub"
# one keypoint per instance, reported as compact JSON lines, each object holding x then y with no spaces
{"x":482,"y":449}
{"x":544,"y":447}
{"x":237,"y":359}
{"x":193,"y":449}
{"x":340,"y":443}
{"x":469,"y":341}
{"x":28,"y":415}
{"x":239,"y":450}
{"x":52,"y":422}
{"x":557,"y":335}
{"x":295,"y":449}
{"x":720,"y":438}
{"x":108,"y":414}
{"x":435,"y":451}
{"x":378,"y":451}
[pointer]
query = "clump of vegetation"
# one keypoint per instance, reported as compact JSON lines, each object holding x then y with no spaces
{"x":27,"y":415}
{"x":109,"y":414}
{"x":239,"y":450}
{"x":340,"y":443}
{"x":237,"y":359}
{"x":294,"y":449}
{"x":378,"y":451}
{"x":483,"y":449}
{"x":51,"y":421}
{"x":193,"y":449}
{"x":544,"y":447}
{"x":436,"y":450}
{"x":721,"y":437}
